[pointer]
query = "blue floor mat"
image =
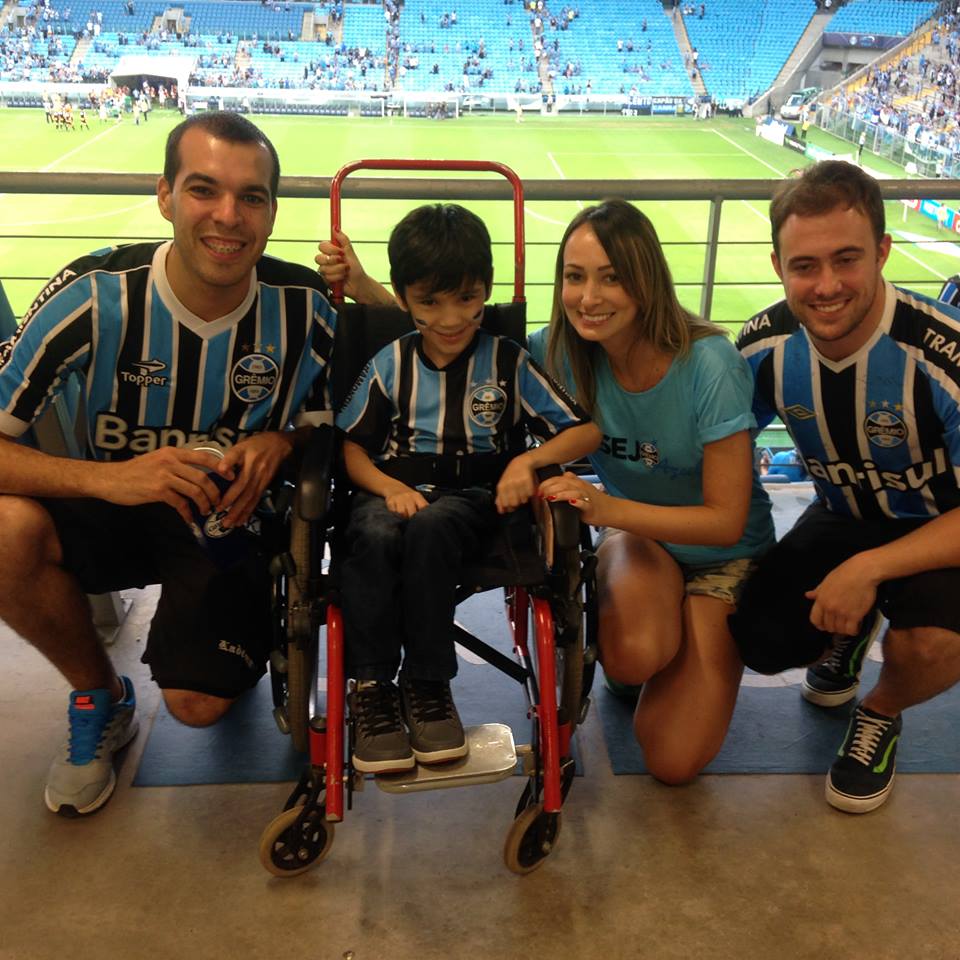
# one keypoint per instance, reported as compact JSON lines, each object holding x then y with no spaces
{"x":244,"y":747}
{"x":247,"y":747}
{"x":774,"y":730}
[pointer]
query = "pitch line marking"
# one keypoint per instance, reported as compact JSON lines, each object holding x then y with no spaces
{"x":556,"y":166}
{"x":79,"y":147}
{"x":539,"y":216}
{"x":779,"y":173}
{"x":83,"y":219}
{"x":560,"y":173}
{"x":752,"y":156}
{"x":639,"y":153}
{"x":919,"y":262}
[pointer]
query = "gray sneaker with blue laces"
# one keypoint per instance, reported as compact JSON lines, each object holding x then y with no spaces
{"x":82,"y":778}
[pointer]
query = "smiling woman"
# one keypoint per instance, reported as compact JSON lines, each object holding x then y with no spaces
{"x":682,"y":514}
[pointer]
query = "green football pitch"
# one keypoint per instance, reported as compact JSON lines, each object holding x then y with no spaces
{"x":41,"y":233}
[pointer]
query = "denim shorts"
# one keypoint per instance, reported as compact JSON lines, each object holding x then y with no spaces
{"x":723,"y":580}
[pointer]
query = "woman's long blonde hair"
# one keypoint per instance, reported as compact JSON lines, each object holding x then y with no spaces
{"x":630,"y":241}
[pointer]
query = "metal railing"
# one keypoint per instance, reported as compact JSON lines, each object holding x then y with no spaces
{"x":713,"y":192}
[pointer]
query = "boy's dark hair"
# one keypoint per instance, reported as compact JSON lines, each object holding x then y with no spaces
{"x":823,"y":187}
{"x":224,"y":126}
{"x":442,"y":244}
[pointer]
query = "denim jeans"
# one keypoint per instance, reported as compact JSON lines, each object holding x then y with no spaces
{"x":399,"y":582}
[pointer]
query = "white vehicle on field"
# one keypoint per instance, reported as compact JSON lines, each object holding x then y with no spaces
{"x":792,"y":108}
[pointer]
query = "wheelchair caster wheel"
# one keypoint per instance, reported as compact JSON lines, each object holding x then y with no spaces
{"x":531,"y":839}
{"x":288,"y":849}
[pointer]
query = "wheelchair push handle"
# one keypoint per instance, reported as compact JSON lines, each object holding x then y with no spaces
{"x":473,"y":166}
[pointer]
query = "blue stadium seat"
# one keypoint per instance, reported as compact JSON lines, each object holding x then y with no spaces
{"x":895,"y":18}
{"x":743,"y":44}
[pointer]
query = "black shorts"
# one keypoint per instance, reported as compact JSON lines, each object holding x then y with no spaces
{"x":212,"y":629}
{"x":772,"y":624}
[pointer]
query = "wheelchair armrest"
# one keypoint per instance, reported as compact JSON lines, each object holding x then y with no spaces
{"x":316,"y":469}
{"x":580,"y":467}
{"x":565,"y":518}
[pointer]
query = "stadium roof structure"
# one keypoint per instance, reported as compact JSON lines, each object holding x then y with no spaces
{"x":176,"y":68}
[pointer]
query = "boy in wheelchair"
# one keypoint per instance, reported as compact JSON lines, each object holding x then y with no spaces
{"x":434,"y":445}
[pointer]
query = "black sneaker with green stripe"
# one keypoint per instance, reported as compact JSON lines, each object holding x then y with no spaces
{"x":834,"y":681}
{"x":862,"y":775}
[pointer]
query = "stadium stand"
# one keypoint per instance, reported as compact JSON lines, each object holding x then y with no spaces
{"x":578,"y":53}
{"x":114,"y":16}
{"x":742,"y":44}
{"x":250,"y":21}
{"x":476,"y":52}
{"x":615,"y":49}
{"x":895,"y":18}
{"x":907,"y":101}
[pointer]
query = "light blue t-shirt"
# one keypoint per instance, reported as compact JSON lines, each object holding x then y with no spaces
{"x":652,"y":448}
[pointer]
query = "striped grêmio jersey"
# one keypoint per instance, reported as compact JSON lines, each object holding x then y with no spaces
{"x":879,"y":431}
{"x":153,"y":373}
{"x":402,"y":405}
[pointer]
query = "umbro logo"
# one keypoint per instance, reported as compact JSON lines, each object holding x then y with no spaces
{"x":146,"y":374}
{"x":799,"y":412}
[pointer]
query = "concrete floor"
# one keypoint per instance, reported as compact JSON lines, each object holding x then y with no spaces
{"x":728,"y":867}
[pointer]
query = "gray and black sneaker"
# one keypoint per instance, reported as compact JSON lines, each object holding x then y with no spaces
{"x":381,"y":744}
{"x":436,"y":733}
{"x":862,"y":775}
{"x":834,"y":681}
{"x":81,"y":778}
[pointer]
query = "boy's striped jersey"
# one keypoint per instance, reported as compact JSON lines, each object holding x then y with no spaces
{"x":153,"y":373}
{"x":879,"y":431}
{"x":402,"y":405}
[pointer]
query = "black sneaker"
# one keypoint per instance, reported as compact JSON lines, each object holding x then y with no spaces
{"x":436,"y":733}
{"x":835,"y":680}
{"x":381,"y":744}
{"x":862,"y":775}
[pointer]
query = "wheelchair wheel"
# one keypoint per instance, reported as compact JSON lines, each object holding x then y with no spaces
{"x":288,"y":849}
{"x":531,"y":839}
{"x":301,"y":643}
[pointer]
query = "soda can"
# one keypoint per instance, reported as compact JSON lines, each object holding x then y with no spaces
{"x":225,"y":545}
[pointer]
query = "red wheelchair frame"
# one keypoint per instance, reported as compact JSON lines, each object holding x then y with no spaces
{"x":301,"y":836}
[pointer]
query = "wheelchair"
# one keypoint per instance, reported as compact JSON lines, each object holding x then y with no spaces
{"x":546,"y":572}
{"x":542,"y":560}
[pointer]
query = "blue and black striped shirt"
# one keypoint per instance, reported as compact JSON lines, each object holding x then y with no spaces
{"x":153,"y":373}
{"x":403,"y":406}
{"x":879,"y":431}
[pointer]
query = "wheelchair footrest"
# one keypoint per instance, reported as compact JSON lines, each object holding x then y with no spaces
{"x":492,"y":756}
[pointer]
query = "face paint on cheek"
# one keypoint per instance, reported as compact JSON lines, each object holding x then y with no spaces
{"x":419,"y":322}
